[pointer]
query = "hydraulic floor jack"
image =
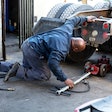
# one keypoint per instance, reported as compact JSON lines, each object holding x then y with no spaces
{"x":100,"y":68}
{"x":97,"y":69}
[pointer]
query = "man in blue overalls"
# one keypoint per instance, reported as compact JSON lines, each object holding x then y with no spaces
{"x":43,"y":53}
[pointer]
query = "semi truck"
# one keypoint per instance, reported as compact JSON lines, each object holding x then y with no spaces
{"x":95,"y":34}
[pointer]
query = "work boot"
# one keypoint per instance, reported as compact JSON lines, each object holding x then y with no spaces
{"x":12,"y":72}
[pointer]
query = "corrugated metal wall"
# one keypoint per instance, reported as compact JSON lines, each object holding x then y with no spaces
{"x":26,"y":14}
{"x":0,"y":30}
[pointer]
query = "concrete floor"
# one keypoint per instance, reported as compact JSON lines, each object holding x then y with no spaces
{"x":35,"y":96}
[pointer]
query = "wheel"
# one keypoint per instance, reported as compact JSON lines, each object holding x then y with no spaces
{"x":106,"y":47}
{"x":70,"y":10}
{"x":102,"y":5}
{"x":65,"y":10}
{"x":103,"y":70}
{"x":81,"y":56}
{"x":56,"y":11}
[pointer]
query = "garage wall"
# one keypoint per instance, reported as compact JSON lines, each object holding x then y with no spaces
{"x":0,"y":31}
{"x":42,"y":7}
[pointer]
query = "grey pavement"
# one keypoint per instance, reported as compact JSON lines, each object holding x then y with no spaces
{"x":13,"y":52}
{"x":35,"y":96}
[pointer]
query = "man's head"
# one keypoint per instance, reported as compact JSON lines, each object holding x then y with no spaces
{"x":77,"y":44}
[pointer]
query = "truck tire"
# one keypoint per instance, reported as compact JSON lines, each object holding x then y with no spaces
{"x":57,"y":9}
{"x":70,"y":10}
{"x":65,"y":10}
{"x":102,"y":5}
{"x":106,"y":47}
{"x":81,"y":56}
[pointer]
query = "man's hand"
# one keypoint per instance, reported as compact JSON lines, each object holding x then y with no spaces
{"x":69,"y":83}
{"x":91,"y":18}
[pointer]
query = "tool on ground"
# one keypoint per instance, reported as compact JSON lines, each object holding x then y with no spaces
{"x":100,"y":68}
{"x":7,"y":89}
{"x":62,"y":90}
{"x":69,"y":91}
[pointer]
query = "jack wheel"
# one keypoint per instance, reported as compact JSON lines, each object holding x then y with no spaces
{"x":103,"y":70}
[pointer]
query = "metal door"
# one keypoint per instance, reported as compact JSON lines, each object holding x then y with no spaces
{"x":26,"y":14}
{"x":2,"y":30}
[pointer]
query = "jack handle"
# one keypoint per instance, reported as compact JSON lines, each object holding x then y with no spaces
{"x":76,"y":82}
